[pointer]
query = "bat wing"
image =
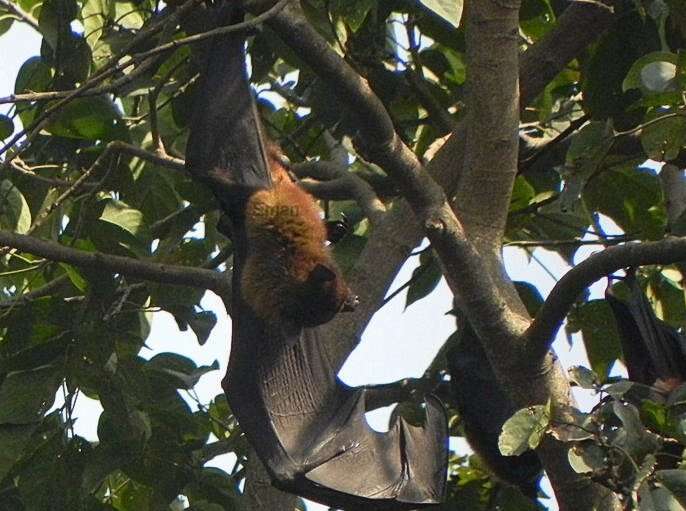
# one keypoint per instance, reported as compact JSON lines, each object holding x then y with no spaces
{"x":307,"y":427}
{"x":652,"y":349}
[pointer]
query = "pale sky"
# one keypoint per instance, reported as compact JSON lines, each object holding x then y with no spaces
{"x":398,"y":343}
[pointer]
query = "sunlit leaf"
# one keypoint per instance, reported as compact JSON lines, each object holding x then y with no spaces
{"x":121,"y":215}
{"x":449,"y":10}
{"x":586,"y":457}
{"x":524,"y":430}
{"x":652,"y":73}
{"x":15,"y":214}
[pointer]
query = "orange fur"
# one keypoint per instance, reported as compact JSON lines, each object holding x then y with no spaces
{"x":289,"y":278}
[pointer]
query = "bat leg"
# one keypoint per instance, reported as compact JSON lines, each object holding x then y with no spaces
{"x":337,"y":229}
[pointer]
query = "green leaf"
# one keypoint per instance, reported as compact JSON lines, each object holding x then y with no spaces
{"x":202,"y":323}
{"x":667,"y":297}
{"x":54,"y":20}
{"x":347,"y":251}
{"x":86,"y":118}
{"x":657,"y":499}
{"x":638,"y":440}
{"x":663,"y":139}
{"x":15,"y":214}
{"x":75,"y":277}
{"x":630,"y":196}
{"x":449,"y":10}
{"x":586,"y":457}
{"x":120,"y":214}
{"x":588,"y":145}
{"x":609,"y":63}
{"x":103,"y":460}
{"x":425,"y":278}
{"x":182,"y":369}
{"x":26,"y":395}
{"x":583,"y":377}
{"x":13,"y":440}
{"x":675,"y":482}
{"x":129,"y":15}
{"x":530,"y":295}
{"x":6,"y":127}
{"x":33,"y":76}
{"x":354,"y":12}
{"x":522,"y":194}
{"x":132,"y":496}
{"x":6,"y":21}
{"x":524,"y":430}
{"x":657,"y":416}
{"x":93,"y":17}
{"x":652,"y":73}
{"x":76,"y":56}
{"x":574,"y":426}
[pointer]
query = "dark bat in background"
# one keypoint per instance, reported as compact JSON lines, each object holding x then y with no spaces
{"x":307,"y":427}
{"x":483,"y":409}
{"x":652,"y":349}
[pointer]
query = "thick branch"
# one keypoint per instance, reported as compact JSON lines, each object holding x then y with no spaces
{"x":580,"y":24}
{"x":382,"y":144}
{"x":398,"y":233}
{"x":163,"y":273}
{"x":542,"y":331}
{"x":490,"y":160}
{"x":486,"y":294}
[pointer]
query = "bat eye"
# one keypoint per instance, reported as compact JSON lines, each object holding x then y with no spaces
{"x":321,"y":273}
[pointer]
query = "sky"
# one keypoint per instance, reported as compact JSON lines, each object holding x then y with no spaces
{"x":398,"y":343}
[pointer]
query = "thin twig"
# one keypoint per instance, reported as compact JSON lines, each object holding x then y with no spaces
{"x":108,"y":70}
{"x":40,"y":219}
{"x":567,"y":243}
{"x":21,"y":168}
{"x":147,"y":270}
{"x":154,"y":93}
{"x":42,"y":119}
{"x":21,"y":14}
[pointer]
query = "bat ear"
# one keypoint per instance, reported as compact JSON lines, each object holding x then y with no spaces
{"x":322,"y":273}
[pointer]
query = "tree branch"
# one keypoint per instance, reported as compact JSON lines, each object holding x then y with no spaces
{"x":22,"y":15}
{"x":673,"y":183}
{"x":492,"y":123}
{"x":165,"y":161}
{"x":578,"y":26}
{"x":485,"y":293}
{"x":398,"y":233}
{"x":163,"y":273}
{"x":329,"y":181}
{"x":382,"y":145}
{"x":547,"y":322}
{"x":40,"y":292}
{"x":407,"y":389}
{"x":40,"y":122}
{"x":566,"y":243}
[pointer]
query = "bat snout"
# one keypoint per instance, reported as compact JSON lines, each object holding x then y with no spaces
{"x":350,"y":303}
